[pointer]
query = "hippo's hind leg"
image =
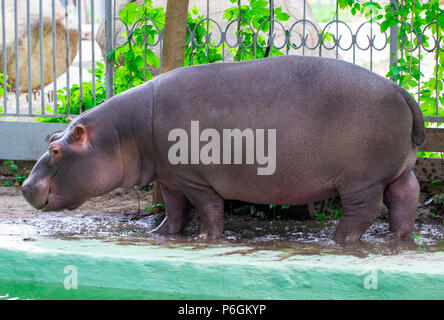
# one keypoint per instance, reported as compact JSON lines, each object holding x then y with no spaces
{"x":177,"y":209}
{"x":360,"y":210}
{"x":401,"y":198}
{"x":210,"y":206}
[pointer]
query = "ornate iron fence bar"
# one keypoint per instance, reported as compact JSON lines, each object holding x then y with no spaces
{"x":93,"y":52}
{"x":79,"y":26}
{"x":28,"y":41}
{"x":109,"y":47}
{"x":42,"y":70}
{"x":5,"y":83}
{"x":17,"y":75}
{"x":68,"y":89}
{"x":54,"y":58}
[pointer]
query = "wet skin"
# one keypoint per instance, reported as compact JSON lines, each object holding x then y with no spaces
{"x":340,"y":130}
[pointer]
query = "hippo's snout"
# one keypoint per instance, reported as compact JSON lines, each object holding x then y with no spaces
{"x":36,"y":193}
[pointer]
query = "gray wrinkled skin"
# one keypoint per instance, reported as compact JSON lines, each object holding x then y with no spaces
{"x":340,"y":130}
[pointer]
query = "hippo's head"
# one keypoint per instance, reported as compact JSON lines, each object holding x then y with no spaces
{"x":78,"y":165}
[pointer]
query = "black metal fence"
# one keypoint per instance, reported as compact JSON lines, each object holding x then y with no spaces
{"x":356,"y":41}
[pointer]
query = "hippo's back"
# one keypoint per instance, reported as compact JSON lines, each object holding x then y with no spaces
{"x":286,"y":76}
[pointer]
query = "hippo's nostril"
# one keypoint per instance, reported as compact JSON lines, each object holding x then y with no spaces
{"x":35,"y":195}
{"x":26,"y":189}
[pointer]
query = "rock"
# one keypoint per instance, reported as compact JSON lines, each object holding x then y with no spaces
{"x":217,"y":8}
{"x":35,"y":42}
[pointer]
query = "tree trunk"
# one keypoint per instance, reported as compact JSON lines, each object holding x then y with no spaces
{"x":173,"y":52}
{"x":174,"y":35}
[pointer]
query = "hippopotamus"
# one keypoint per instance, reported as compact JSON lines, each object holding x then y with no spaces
{"x":338,"y":130}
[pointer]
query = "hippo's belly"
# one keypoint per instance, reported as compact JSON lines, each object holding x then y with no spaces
{"x":295,"y":195}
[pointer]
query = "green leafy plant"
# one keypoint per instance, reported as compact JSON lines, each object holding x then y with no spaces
{"x":254,"y":16}
{"x":79,"y":102}
{"x":16,"y":179}
{"x":20,"y":178}
{"x":330,"y":209}
{"x":439,"y":198}
{"x":12,"y":166}
{"x":421,"y":245}
{"x":160,"y":206}
{"x":134,"y":55}
{"x":197,"y":50}
{"x":277,"y":210}
{"x":2,"y":88}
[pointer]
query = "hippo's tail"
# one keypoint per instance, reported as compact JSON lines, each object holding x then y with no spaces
{"x":418,"y":131}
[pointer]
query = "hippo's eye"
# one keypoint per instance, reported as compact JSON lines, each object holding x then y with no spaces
{"x":55,"y":151}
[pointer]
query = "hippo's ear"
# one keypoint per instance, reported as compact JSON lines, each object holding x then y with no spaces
{"x":78,"y":135}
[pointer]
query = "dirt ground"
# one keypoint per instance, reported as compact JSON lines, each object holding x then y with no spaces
{"x":120,"y":201}
{"x":13,"y":205}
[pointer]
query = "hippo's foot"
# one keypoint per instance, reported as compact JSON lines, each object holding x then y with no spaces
{"x":360,"y":209}
{"x":208,"y":231}
{"x":212,"y":226}
{"x":176,"y":208}
{"x":210,"y":206}
{"x":201,"y":236}
{"x":205,"y":236}
{"x":401,"y":198}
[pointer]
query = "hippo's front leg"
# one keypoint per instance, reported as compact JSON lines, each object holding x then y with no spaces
{"x":210,"y":206}
{"x":177,"y":209}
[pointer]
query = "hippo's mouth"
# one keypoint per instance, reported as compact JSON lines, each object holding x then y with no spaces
{"x":52,"y":204}
{"x":44,"y":207}
{"x":53,"y":207}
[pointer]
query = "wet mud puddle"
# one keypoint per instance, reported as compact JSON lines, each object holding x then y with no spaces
{"x":296,"y":237}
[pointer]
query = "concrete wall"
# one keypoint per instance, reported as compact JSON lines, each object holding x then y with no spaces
{"x":26,"y":140}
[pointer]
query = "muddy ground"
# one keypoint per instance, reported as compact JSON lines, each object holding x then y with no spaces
{"x":115,"y":217}
{"x":122,"y":216}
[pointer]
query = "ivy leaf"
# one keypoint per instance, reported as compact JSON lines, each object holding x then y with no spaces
{"x":152,"y":59}
{"x":281,"y":16}
{"x":195,"y":11}
{"x":128,"y":13}
{"x":258,"y":4}
{"x":370,"y":8}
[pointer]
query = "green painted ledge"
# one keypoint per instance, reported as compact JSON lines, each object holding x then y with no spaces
{"x":35,"y":270}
